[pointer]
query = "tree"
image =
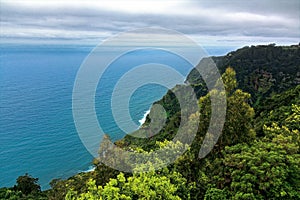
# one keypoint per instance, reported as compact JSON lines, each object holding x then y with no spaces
{"x":150,"y":185}
{"x":8,"y":193}
{"x":59,"y":187}
{"x":238,"y":125}
{"x":262,"y":170}
{"x":27,"y":185}
{"x":265,"y":169}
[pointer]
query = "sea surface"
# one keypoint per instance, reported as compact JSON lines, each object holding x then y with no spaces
{"x":37,"y":130}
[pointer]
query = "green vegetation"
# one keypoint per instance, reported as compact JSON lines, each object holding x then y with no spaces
{"x":261,"y":70}
{"x":150,"y":185}
{"x":27,"y":187}
{"x":265,"y":169}
{"x":256,"y":157}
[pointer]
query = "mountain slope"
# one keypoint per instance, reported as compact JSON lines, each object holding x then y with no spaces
{"x":260,"y":70}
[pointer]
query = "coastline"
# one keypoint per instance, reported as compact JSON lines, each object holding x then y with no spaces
{"x":92,"y":168}
{"x":142,"y":121}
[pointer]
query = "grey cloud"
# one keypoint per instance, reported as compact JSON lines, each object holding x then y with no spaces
{"x":288,"y":8}
{"x":213,"y":18}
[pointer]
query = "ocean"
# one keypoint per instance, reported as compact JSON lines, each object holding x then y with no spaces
{"x":37,"y":130}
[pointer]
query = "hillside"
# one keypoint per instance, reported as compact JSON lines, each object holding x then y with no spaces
{"x":256,"y":157}
{"x":260,"y":70}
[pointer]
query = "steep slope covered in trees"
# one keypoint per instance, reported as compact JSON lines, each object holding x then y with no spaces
{"x":261,"y":70}
{"x":256,"y":157}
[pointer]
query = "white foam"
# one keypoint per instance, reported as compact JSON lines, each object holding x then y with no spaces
{"x":142,"y":121}
{"x":90,"y":169}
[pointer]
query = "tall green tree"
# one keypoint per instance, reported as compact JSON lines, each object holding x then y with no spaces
{"x":27,"y":184}
{"x":238,"y":125}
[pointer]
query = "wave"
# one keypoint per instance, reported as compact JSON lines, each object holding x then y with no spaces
{"x":142,"y":121}
{"x":90,"y":169}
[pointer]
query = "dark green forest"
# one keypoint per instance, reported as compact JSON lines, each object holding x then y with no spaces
{"x":256,"y":157}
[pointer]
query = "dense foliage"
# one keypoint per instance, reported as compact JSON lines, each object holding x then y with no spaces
{"x":261,"y":70}
{"x":27,"y":187}
{"x":150,"y":185}
{"x":256,"y":157}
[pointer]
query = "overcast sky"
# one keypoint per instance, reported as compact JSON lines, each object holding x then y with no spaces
{"x":213,"y":22}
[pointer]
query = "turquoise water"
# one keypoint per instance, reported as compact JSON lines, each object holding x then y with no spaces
{"x":37,"y":131}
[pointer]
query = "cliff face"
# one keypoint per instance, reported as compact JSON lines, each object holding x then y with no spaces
{"x":261,"y":70}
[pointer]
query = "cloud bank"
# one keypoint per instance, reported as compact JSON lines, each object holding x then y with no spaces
{"x":214,"y":22}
